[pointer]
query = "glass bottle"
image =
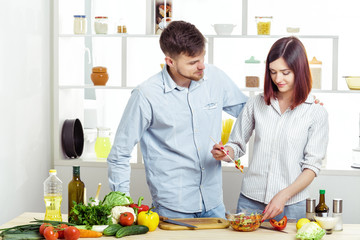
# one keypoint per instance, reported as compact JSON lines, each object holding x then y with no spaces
{"x":322,"y":210}
{"x":102,"y":144}
{"x":75,"y":190}
{"x":53,"y":197}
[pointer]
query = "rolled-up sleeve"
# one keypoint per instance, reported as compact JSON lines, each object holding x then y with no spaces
{"x":318,"y":137}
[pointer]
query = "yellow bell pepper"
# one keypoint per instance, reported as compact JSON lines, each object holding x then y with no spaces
{"x":149,"y":219}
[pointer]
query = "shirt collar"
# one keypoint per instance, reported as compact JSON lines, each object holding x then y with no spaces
{"x":170,"y":85}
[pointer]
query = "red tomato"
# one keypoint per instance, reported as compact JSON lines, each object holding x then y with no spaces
{"x":126,"y":219}
{"x":50,"y":233}
{"x":280,"y":225}
{"x":42,"y":228}
{"x":71,"y":233}
{"x":60,"y":229}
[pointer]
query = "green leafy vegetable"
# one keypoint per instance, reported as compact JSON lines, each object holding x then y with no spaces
{"x":310,"y":231}
{"x":116,"y":198}
{"x":90,"y":215}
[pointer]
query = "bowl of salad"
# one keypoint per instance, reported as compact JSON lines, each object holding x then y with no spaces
{"x":246,"y":220}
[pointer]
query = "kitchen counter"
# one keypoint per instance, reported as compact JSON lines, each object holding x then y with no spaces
{"x":351,"y":231}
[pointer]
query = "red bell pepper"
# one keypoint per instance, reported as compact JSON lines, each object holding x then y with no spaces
{"x":140,"y":207}
{"x":280,"y":225}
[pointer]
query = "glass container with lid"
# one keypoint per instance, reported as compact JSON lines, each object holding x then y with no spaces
{"x":79,"y":24}
{"x":263,"y":25}
{"x":103,"y":144}
{"x":252,"y":72}
{"x":315,"y":68}
{"x":101,"y":25}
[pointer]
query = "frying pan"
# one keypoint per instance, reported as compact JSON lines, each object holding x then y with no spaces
{"x":72,"y":138}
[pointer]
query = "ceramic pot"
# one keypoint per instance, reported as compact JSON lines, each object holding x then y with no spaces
{"x":99,"y":76}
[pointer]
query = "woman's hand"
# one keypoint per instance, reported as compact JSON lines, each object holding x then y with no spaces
{"x":276,"y":205}
{"x":218,"y":152}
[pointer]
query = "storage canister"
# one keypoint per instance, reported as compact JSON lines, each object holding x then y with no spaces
{"x":101,"y":25}
{"x":79,"y":24}
{"x":263,"y":25}
{"x":315,"y":68}
{"x":99,"y":75}
{"x":252,"y":72}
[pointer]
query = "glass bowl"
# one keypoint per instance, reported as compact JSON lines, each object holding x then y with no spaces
{"x":353,"y":82}
{"x":245,"y":221}
{"x":327,"y":223}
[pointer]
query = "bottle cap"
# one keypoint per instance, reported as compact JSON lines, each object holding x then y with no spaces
{"x":322,"y":191}
{"x":310,"y":205}
{"x":76,"y":169}
{"x":337,"y":205}
{"x":52,"y":171}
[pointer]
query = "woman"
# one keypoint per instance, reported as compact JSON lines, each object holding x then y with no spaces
{"x":291,"y":136}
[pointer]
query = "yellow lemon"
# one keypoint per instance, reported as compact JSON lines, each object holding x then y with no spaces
{"x":301,"y":222}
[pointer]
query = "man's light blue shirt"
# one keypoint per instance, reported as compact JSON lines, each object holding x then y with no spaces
{"x":174,"y":125}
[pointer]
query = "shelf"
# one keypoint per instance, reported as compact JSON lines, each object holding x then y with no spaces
{"x":92,"y":87}
{"x":126,"y":35}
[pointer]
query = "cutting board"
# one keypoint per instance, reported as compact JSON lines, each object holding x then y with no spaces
{"x":201,"y":223}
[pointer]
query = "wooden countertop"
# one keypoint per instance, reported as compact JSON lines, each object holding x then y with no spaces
{"x":351,"y":231}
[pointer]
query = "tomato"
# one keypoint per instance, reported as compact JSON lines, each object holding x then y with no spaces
{"x":126,"y":219}
{"x":71,"y":233}
{"x":42,"y":228}
{"x":50,"y":233}
{"x":60,"y":229}
{"x":280,"y":225}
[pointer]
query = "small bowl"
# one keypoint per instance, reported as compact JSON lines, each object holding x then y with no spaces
{"x":327,"y":223}
{"x":223,"y":29}
{"x":353,"y":82}
{"x":245,"y":221}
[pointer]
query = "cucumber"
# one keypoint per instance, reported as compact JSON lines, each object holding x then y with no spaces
{"x":131,"y":230}
{"x":112,"y":229}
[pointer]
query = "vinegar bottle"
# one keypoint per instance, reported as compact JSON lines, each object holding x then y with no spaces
{"x":53,"y":197}
{"x":75,"y":190}
{"x":322,"y":210}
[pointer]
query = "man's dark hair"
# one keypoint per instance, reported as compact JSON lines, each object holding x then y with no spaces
{"x":181,"y":37}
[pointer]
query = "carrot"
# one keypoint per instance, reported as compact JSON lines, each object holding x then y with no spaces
{"x":89,"y":233}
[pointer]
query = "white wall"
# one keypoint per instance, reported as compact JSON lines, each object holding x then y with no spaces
{"x":25,"y":141}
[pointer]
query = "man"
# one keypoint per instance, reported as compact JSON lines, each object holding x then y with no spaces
{"x":173,"y":114}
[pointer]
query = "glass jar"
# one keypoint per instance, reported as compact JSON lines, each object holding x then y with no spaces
{"x":263,"y":25}
{"x":101,"y":25}
{"x":79,"y":24}
{"x":315,"y":68}
{"x":103,"y":144}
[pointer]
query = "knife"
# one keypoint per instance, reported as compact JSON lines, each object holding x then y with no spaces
{"x":273,"y":229}
{"x":165,"y":219}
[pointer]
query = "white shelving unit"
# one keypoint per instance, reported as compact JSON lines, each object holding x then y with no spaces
{"x":73,"y":95}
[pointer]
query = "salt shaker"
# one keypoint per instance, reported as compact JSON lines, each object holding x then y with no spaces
{"x":310,"y":208}
{"x":337,"y":212}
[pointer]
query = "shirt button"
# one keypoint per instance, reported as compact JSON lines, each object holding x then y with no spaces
{"x":203,"y":169}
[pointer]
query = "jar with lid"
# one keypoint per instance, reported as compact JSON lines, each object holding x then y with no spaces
{"x":315,"y":69}
{"x":263,"y":25}
{"x":252,"y":72}
{"x":103,"y":144}
{"x":101,"y":25}
{"x":99,"y":76}
{"x":121,"y":26}
{"x":79,"y":24}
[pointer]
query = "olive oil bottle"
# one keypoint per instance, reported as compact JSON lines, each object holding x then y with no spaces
{"x":75,"y":189}
{"x":322,"y":210}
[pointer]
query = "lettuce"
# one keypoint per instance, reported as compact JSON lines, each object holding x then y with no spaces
{"x":310,"y":231}
{"x":116,"y":198}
